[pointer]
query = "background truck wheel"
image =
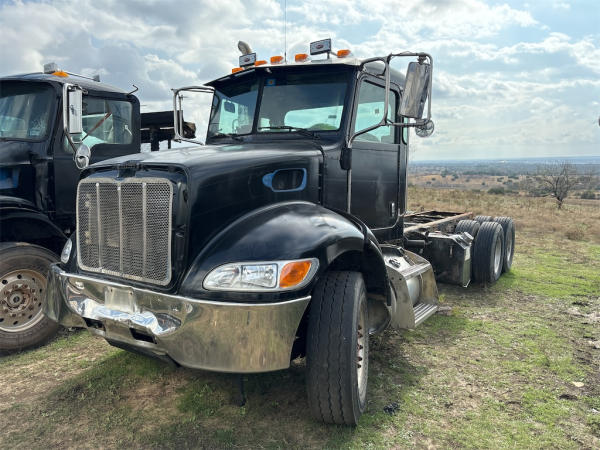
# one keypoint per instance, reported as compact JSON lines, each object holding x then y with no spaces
{"x":508,"y":226}
{"x":338,"y":348}
{"x":482,"y":219}
{"x":488,"y":252}
{"x":23,"y":277}
{"x":467,"y":226}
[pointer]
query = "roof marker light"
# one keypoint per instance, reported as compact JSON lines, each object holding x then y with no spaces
{"x":343,"y":53}
{"x":276,"y":59}
{"x":60,"y":73}
{"x":260,"y":62}
{"x":236,"y":70}
{"x":301,"y":57}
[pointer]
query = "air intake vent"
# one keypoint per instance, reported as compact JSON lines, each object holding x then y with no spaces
{"x":124,"y":228}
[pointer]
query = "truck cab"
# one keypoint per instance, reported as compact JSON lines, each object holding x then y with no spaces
{"x":282,"y":237}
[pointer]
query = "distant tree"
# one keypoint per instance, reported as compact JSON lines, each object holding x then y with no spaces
{"x":558,"y":180}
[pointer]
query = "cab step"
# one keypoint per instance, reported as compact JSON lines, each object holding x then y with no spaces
{"x":423,"y":311}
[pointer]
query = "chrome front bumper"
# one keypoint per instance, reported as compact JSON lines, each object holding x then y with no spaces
{"x":201,"y":334}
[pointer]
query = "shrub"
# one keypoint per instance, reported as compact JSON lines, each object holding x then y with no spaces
{"x":497,"y":190}
{"x":588,"y":195}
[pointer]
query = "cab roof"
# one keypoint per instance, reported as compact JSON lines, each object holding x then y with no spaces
{"x":72,"y":79}
{"x":373,"y":67}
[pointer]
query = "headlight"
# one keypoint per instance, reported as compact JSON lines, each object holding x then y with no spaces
{"x":262,"y":276}
{"x":66,"y":251}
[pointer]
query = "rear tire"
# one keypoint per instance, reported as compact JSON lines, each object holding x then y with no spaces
{"x":488,"y":252}
{"x":23,"y":279}
{"x":467,"y":226}
{"x":338,"y":348}
{"x":482,"y":219}
{"x":508,"y":226}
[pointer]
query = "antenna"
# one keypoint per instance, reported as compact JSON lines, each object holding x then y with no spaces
{"x":285,"y":31}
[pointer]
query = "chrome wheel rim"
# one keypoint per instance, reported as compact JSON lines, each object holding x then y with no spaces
{"x":498,"y":256}
{"x":362,"y":334}
{"x":509,"y":247}
{"x":21,"y":300}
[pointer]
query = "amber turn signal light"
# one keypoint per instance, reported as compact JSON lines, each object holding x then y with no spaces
{"x":293,"y":273}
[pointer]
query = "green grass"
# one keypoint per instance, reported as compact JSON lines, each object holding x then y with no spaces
{"x":496,"y":372}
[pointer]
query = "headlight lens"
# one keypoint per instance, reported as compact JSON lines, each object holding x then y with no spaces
{"x":261,"y":276}
{"x":66,"y":251}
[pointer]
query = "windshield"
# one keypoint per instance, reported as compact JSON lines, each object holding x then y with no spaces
{"x":289,"y":101}
{"x":25,"y":110}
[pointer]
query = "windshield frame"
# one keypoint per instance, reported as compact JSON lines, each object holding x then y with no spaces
{"x":52,"y":110}
{"x":260,"y":74}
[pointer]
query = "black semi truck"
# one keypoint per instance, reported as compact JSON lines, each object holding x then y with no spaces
{"x":39,"y":176}
{"x":285,"y":236}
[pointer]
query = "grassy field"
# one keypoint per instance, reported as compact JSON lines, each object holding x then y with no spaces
{"x":516,"y":365}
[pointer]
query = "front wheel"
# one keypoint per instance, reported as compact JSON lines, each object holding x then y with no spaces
{"x":338,"y":348}
{"x":23,"y":279}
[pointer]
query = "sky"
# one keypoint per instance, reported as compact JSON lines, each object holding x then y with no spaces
{"x":511,"y":78}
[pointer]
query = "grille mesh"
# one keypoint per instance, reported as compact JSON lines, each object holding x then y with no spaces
{"x":124,"y":228}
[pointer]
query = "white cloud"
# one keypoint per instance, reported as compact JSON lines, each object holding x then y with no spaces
{"x":493,"y":87}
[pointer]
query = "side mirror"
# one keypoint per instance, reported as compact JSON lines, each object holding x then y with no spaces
{"x":73,"y":109}
{"x":416,"y":90}
{"x":82,"y":156}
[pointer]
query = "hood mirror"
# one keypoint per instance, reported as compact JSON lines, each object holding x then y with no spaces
{"x":416,"y":90}
{"x":82,"y":156}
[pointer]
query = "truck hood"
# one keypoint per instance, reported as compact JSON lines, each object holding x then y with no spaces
{"x":224,"y":182}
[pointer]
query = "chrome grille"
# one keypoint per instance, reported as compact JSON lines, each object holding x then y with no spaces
{"x":124,"y":228}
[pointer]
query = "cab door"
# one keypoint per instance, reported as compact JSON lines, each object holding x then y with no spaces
{"x":111,"y":128}
{"x":375,"y":157}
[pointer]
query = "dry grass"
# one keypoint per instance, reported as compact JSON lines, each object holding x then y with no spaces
{"x":515,"y":365}
{"x":578,"y":220}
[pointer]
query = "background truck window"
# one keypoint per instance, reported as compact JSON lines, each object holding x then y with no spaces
{"x":370,"y":110}
{"x":115,"y":129}
{"x":25,"y":110}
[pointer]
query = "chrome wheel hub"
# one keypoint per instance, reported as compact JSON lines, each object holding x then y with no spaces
{"x":498,"y":256}
{"x":21,"y":299}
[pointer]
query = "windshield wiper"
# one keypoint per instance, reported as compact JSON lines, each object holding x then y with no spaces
{"x":302,"y":131}
{"x":235,"y":137}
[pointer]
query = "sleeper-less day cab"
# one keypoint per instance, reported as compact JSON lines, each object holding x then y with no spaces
{"x":286,"y":235}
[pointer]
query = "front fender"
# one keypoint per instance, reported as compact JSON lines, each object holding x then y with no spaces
{"x":22,"y":221}
{"x":290,"y":230}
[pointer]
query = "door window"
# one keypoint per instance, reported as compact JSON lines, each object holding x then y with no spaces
{"x":369,"y":112}
{"x":105,"y":121}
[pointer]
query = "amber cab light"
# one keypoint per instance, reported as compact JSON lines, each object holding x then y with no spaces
{"x":293,"y":273}
{"x":301,"y":57}
{"x":276,"y":59}
{"x":236,"y":70}
{"x":260,"y":62}
{"x":343,"y":53}
{"x":60,"y":73}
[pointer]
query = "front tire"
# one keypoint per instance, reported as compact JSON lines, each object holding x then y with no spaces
{"x":338,"y":348}
{"x":23,"y":279}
